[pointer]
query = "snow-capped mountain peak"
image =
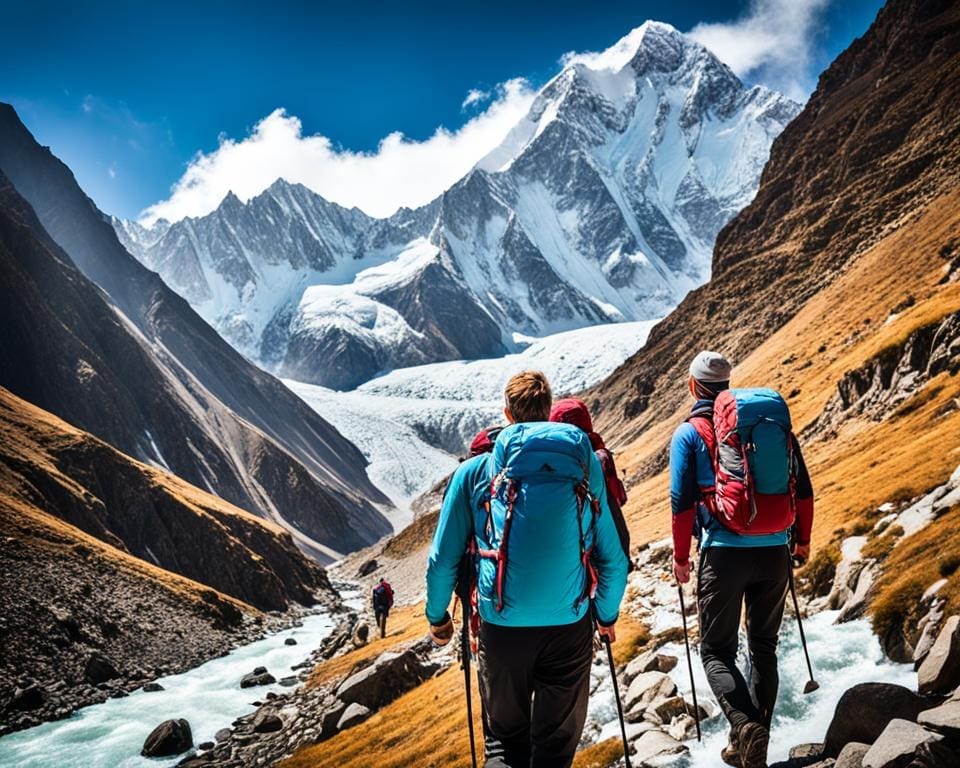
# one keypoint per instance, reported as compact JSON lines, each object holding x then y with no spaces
{"x":602,"y":204}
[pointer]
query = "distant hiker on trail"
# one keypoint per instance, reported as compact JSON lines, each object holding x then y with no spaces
{"x":743,"y":520}
{"x":547,"y":567}
{"x":573,"y":411}
{"x":382,"y":603}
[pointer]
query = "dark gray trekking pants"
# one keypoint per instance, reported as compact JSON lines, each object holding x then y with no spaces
{"x":535,"y":682}
{"x":731,"y":578}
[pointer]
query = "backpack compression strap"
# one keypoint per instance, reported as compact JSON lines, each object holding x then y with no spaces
{"x":584,"y":496}
{"x":500,"y":553}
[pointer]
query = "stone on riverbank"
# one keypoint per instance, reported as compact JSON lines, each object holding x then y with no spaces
{"x":259,"y":676}
{"x":895,"y":746}
{"x":940,"y":670}
{"x":169,"y":738}
{"x":852,"y":754}
{"x":865,"y":710}
{"x":649,"y":686}
{"x":944,"y":719}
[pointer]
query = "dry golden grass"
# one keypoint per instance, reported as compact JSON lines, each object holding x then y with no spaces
{"x":425,"y":727}
{"x":600,"y":755}
{"x":920,"y":560}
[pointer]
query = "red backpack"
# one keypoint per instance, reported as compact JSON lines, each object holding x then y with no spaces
{"x":748,"y":436}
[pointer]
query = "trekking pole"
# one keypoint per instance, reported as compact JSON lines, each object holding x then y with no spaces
{"x":616,"y":695}
{"x":465,"y":659}
{"x":811,"y":684}
{"x":686,"y":641}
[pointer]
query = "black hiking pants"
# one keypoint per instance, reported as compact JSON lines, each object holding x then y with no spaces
{"x":380,"y":614}
{"x":731,"y":578}
{"x":535,"y":682}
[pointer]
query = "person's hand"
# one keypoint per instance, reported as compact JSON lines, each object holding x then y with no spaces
{"x":607,"y":633}
{"x":442,"y":633}
{"x":681,"y":571}
{"x":801,"y":553}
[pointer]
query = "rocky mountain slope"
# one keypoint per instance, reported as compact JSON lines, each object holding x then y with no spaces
{"x":601,"y":205}
{"x":844,"y":267}
{"x":131,"y":363}
{"x":114,"y":572}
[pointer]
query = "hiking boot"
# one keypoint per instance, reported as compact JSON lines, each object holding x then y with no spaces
{"x":730,"y":754}
{"x":752,"y":742}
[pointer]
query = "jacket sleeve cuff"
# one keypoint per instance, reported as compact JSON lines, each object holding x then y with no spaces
{"x":682,"y":530}
{"x":804,"y":520}
{"x":610,"y":623}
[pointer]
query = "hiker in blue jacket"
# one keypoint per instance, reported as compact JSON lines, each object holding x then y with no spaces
{"x":735,"y":569}
{"x":550,"y":570}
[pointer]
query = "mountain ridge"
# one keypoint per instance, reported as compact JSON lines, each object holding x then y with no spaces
{"x":262,"y":447}
{"x":601,"y":205}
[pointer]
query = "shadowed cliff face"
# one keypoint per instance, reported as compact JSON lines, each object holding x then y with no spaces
{"x":878,"y":140}
{"x":74,"y":477}
{"x":138,"y":368}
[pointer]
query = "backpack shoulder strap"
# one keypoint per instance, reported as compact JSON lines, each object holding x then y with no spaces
{"x":704,"y":426}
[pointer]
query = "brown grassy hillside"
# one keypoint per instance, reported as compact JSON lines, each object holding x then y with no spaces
{"x":61,"y":471}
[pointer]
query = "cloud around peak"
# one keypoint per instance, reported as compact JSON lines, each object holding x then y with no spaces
{"x":399,"y":173}
{"x":772,"y":43}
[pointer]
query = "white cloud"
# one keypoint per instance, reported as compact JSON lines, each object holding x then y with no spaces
{"x":112,"y":170}
{"x":475,"y":96}
{"x":399,"y":173}
{"x":772,"y":44}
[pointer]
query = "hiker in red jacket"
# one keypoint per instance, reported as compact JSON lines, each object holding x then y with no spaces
{"x":570,"y":410}
{"x":741,"y":495}
{"x":382,"y":603}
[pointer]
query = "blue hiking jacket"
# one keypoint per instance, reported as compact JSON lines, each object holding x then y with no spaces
{"x":545,"y":577}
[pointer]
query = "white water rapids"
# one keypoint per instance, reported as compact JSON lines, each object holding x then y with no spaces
{"x":842,"y":656}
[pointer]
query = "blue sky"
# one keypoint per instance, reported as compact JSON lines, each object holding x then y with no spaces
{"x":128,"y":93}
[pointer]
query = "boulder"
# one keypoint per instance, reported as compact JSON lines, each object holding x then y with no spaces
{"x":851,"y":756}
{"x":353,"y":715}
{"x":330,"y":719}
{"x":654,"y":744}
{"x":290,"y":641}
{"x":651,"y":661}
{"x":807,"y":752}
{"x":361,"y":635}
{"x":944,"y":719}
{"x":98,"y":669}
{"x":864,"y":711}
{"x":222,"y":735}
{"x":682,"y":727}
{"x":259,"y":676}
{"x":390,"y":676}
{"x":894,"y":747}
{"x":28,"y":698}
{"x":153,"y":688}
{"x":367,"y":568}
{"x":929,"y":626}
{"x":169,"y":738}
{"x":648,"y":686}
{"x":267,"y":721}
{"x":670,"y":708}
{"x":289,"y":682}
{"x":940,"y":670}
{"x":206,"y":746}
